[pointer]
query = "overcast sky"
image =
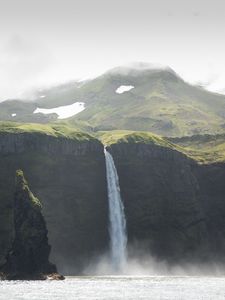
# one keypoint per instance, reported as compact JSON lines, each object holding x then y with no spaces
{"x":43,"y":42}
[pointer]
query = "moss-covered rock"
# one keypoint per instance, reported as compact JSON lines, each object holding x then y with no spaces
{"x":29,"y":256}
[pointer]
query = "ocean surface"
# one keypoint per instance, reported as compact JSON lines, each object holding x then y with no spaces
{"x":113,"y":288}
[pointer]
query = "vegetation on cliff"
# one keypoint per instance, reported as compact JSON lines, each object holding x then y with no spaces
{"x":55,"y":130}
{"x":22,"y":185}
{"x":29,"y":256}
{"x":205,"y":149}
{"x":126,"y":136}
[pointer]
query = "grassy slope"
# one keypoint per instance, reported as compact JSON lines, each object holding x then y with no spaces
{"x":161,"y":102}
{"x":204,"y":149}
{"x":126,"y":136}
{"x":50,"y":129}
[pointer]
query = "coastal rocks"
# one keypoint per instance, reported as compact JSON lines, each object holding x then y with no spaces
{"x":28,"y":258}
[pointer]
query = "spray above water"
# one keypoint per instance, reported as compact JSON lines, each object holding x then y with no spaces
{"x":117,"y":220}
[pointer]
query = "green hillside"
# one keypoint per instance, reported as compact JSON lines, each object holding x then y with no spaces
{"x":125,"y":136}
{"x":205,"y":149}
{"x":160,"y":102}
{"x":50,"y":129}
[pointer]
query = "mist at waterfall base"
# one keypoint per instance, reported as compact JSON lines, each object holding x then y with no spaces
{"x":141,"y":263}
{"x":133,"y":260}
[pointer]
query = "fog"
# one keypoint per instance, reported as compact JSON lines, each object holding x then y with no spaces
{"x":137,"y":66}
{"x":142,"y":264}
{"x":45,"y":43}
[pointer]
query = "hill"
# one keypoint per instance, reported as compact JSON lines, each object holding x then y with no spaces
{"x":143,"y":99}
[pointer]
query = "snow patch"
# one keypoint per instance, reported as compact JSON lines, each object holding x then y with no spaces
{"x":63,"y":112}
{"x":13,"y":115}
{"x":124,"y":88}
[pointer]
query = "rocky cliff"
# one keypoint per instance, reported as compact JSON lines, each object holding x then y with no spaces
{"x":161,"y":198}
{"x":68,"y":174}
{"x":29,"y":256}
{"x":212,"y":198}
{"x":174,"y":206}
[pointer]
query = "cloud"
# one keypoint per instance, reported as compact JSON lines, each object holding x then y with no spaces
{"x":22,"y":64}
{"x":214,"y":81}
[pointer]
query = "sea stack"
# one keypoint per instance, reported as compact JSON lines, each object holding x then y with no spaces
{"x":28,"y":258}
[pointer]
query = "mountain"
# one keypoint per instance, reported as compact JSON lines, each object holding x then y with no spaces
{"x":130,"y":98}
{"x":172,"y":187}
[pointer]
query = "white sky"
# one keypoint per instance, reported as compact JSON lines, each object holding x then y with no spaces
{"x":44,"y":42}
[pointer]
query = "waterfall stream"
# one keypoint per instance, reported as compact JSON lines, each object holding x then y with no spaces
{"x":117,"y":220}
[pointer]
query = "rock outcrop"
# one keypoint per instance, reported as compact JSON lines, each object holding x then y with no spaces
{"x":29,"y":256}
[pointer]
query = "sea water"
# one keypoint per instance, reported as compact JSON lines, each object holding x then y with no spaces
{"x":117,"y":287}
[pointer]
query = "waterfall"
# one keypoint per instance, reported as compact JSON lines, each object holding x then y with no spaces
{"x":117,"y":220}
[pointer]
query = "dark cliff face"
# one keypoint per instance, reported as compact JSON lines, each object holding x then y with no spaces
{"x":161,"y":197}
{"x":174,"y":207}
{"x":69,"y":177}
{"x":18,"y":143}
{"x":29,"y":256}
{"x":211,"y":180}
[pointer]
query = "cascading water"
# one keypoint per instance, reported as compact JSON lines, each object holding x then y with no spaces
{"x":117,"y":220}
